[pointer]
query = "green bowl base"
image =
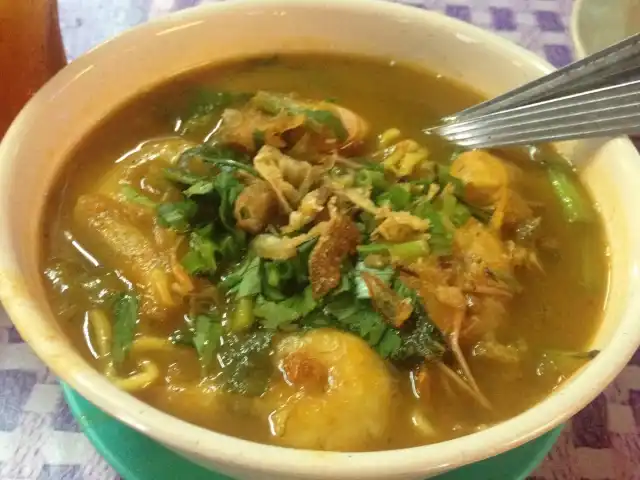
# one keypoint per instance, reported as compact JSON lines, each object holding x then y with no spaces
{"x":137,"y":457}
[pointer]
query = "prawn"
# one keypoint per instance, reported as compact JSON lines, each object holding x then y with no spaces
{"x":335,"y":392}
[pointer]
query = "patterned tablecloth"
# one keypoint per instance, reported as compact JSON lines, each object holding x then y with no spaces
{"x":39,"y":438}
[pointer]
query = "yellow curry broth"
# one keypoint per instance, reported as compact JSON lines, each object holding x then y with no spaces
{"x":550,"y":311}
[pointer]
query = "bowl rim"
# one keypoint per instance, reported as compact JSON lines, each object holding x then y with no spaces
{"x":579,"y":11}
{"x":243,"y":454}
{"x":576,"y":38}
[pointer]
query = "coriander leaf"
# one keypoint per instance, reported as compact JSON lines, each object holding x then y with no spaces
{"x":245,"y":280}
{"x":316,"y":319}
{"x":206,"y":338}
{"x":220,"y":156}
{"x":228,"y":188}
{"x":234,"y":277}
{"x":201,"y":257}
{"x":390,"y":344}
{"x":272,"y":294}
{"x":176,"y":215}
{"x":250,"y":284}
{"x":342,"y":306}
{"x":125,"y":318}
{"x":134,"y":196}
{"x":274,"y":314}
{"x":303,"y":303}
{"x":346,"y":280}
{"x":357,"y":317}
{"x":369,"y":324}
{"x":441,"y":239}
{"x":213,"y":195}
{"x":231,"y":246}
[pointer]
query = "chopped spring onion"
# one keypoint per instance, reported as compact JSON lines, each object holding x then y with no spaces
{"x":242,"y":317}
{"x":397,"y":197}
{"x":405,"y":251}
{"x":572,"y":200}
{"x":367,"y":177}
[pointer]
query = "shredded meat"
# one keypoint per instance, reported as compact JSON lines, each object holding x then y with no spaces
{"x":267,"y":163}
{"x":275,"y":247}
{"x":340,"y":239}
{"x":290,"y":179}
{"x":310,"y":206}
{"x":256,"y":207}
{"x":356,"y":127}
{"x":400,"y":227}
{"x":238,"y":127}
{"x":360,"y":197}
{"x":317,"y":133}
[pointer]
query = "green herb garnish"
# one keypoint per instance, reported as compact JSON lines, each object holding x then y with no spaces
{"x":125,"y":318}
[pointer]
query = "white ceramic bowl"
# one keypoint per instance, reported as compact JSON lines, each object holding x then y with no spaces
{"x":597,"y":24}
{"x":68,"y":107}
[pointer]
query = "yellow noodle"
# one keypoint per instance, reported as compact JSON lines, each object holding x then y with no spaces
{"x":101,"y":330}
{"x":148,"y":343}
{"x":160,"y":285}
{"x":147,"y":374}
{"x":388,"y":137}
{"x":183,"y":284}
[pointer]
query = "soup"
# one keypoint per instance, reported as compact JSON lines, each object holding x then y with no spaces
{"x":274,"y":249}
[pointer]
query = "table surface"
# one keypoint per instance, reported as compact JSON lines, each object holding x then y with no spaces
{"x":39,"y":438}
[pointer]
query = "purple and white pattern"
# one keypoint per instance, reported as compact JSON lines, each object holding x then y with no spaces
{"x":39,"y":439}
